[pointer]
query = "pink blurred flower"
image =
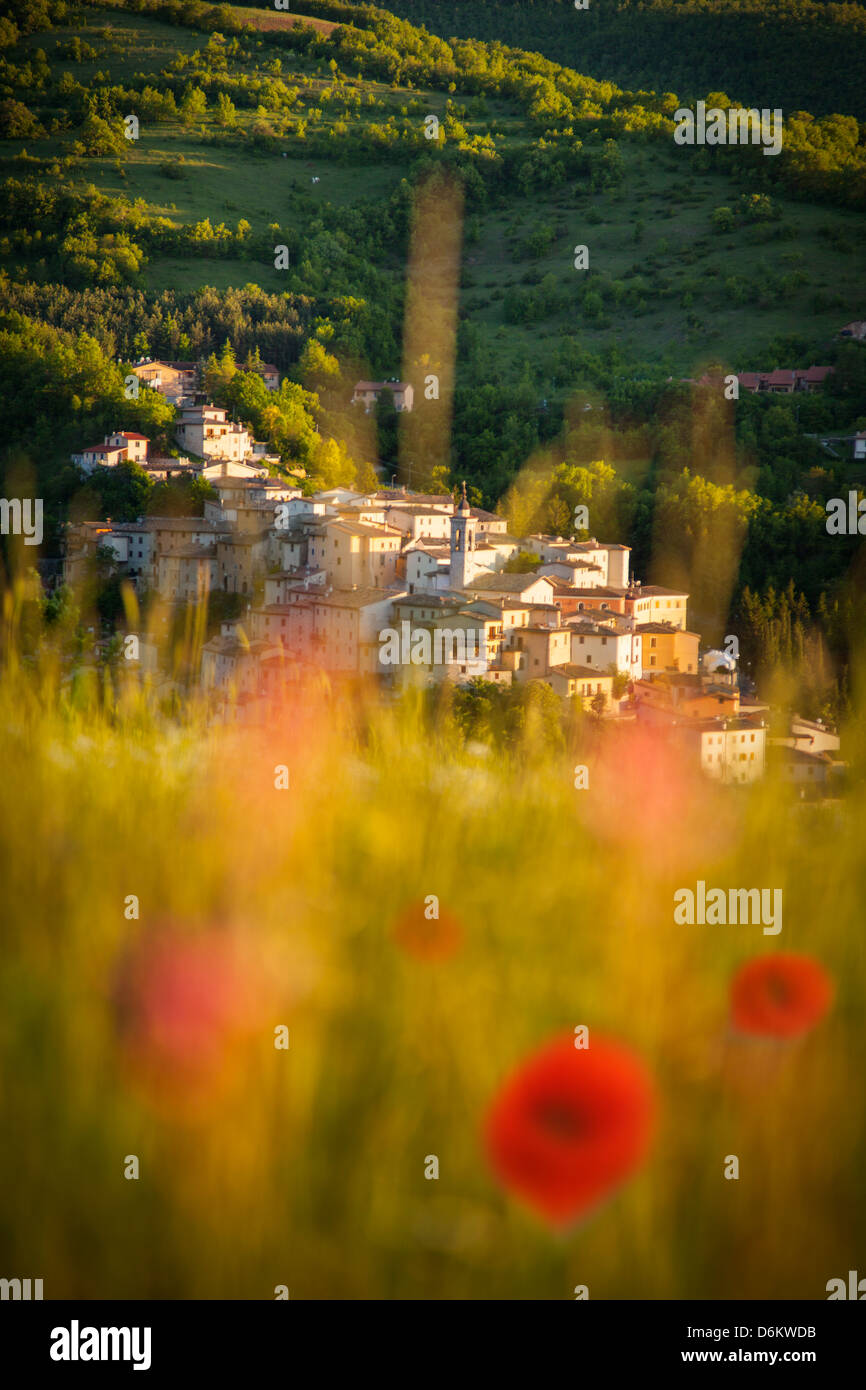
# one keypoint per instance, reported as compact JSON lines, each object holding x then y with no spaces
{"x":182,"y":1002}
{"x":648,"y":797}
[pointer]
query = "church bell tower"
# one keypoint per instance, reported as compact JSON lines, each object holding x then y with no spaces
{"x":463,"y":526}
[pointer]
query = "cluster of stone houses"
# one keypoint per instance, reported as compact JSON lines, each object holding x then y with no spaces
{"x":406,"y":587}
{"x":202,"y":430}
{"x":402,"y":586}
{"x":185,"y":558}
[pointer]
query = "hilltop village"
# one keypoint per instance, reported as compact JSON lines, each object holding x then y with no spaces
{"x":398,"y":586}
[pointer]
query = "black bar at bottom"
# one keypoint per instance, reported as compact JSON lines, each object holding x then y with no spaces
{"x":219,"y":1339}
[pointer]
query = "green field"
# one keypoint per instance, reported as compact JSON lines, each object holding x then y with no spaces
{"x":145,"y":45}
{"x":678,"y":254}
{"x":226,"y":184}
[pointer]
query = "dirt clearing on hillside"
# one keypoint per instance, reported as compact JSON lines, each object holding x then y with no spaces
{"x":271,"y":19}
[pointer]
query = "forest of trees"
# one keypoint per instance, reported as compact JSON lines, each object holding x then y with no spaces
{"x":764,"y":52}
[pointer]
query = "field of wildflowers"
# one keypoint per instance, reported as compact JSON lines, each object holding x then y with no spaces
{"x":431,"y":922}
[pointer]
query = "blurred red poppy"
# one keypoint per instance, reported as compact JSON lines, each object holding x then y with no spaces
{"x":642,"y":778}
{"x":780,"y":996}
{"x":570,"y":1125}
{"x":180,"y":1003}
{"x":427,"y":938}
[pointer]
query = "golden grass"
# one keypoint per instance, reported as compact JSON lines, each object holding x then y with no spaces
{"x":306,"y":1167}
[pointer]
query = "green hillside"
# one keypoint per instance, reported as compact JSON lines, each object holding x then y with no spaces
{"x":763,"y":52}
{"x":281,"y":196}
{"x":664,"y":286}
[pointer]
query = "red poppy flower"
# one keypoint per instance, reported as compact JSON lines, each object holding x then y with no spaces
{"x":780,"y":996}
{"x":181,"y":1002}
{"x":427,"y":938}
{"x":641,"y":779}
{"x":570,"y":1125}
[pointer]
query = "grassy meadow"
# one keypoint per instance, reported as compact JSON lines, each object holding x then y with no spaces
{"x":260,"y":908}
